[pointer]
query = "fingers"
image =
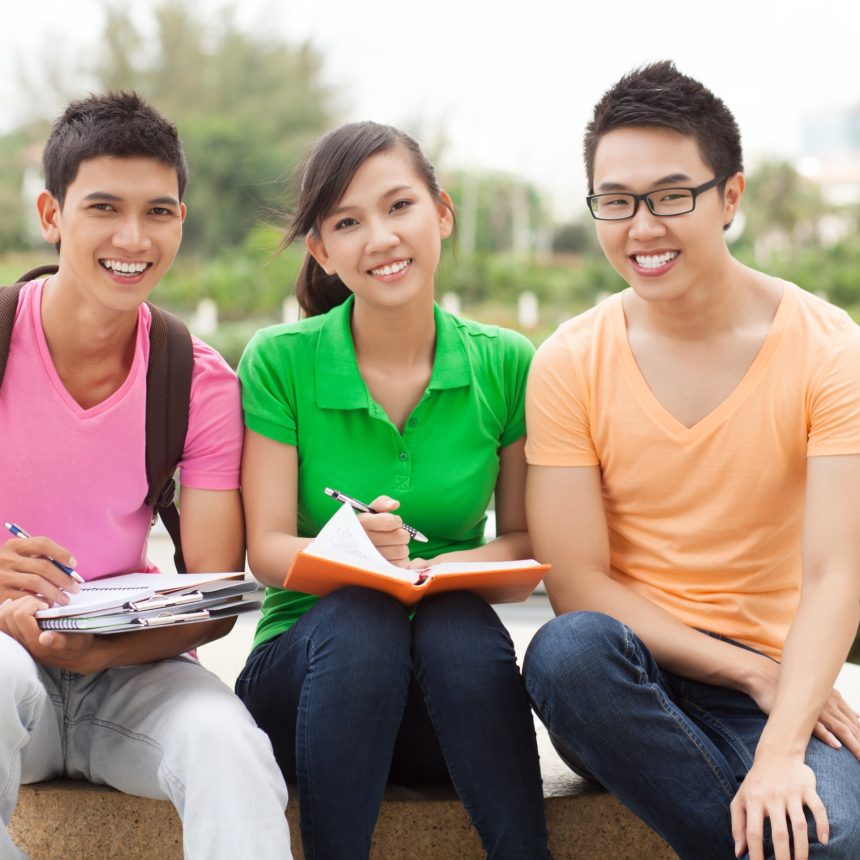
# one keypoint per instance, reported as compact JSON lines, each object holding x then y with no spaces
{"x":25,"y":566}
{"x":824,"y":734}
{"x":19,"y":583}
{"x":45,"y":547}
{"x":384,"y":504}
{"x":838,"y":724}
{"x":17,"y":618}
{"x":819,"y":813}
{"x":739,"y":825}
{"x":386,"y":531}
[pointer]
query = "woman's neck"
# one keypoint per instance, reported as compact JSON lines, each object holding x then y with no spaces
{"x":399,"y":337}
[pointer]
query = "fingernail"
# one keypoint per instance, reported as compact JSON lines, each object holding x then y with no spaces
{"x":72,"y":562}
{"x":737,"y":849}
{"x":825,"y":838}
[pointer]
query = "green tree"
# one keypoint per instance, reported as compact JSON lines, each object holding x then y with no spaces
{"x":782,"y":209}
{"x":247,"y":106}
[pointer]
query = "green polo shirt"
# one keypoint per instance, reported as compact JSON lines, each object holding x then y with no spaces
{"x":301,"y":386}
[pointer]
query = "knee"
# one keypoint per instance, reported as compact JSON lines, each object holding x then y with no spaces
{"x":19,"y":672}
{"x":574,"y":642}
{"x":360,"y":634}
{"x":839,"y":790}
{"x":570,"y":652}
{"x":362,"y":620}
{"x":460,"y":629}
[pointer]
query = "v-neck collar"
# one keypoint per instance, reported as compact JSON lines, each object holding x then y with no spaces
{"x":655,"y":408}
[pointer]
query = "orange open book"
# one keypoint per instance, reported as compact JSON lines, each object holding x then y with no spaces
{"x":342,"y":554}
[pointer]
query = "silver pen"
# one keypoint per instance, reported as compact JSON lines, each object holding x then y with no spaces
{"x":366,"y":509}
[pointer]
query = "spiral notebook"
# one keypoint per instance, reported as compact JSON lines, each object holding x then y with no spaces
{"x":146,"y":600}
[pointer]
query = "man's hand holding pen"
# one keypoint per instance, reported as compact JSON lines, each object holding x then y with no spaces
{"x":30,"y":565}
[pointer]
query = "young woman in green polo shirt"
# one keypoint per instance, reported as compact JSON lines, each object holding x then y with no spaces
{"x":385,"y":396}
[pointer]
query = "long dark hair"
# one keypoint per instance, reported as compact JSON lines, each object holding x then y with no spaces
{"x":325,"y":176}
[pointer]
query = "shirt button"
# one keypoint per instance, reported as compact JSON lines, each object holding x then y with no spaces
{"x":403,"y":456}
{"x":412,"y":422}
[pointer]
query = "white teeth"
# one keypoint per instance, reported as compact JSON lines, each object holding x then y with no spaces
{"x":392,"y":269}
{"x":124,"y":268}
{"x":654,"y":262}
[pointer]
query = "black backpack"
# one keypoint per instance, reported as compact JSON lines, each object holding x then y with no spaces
{"x":168,"y":393}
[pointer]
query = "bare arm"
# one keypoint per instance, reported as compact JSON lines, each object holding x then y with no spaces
{"x":568,"y":528}
{"x":270,"y":473}
{"x":826,"y":622}
{"x":212,"y":541}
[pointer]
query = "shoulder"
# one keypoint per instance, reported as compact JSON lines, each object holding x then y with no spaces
{"x":818,"y":316}
{"x":489,"y":342}
{"x":210,"y":368}
{"x":580,"y":337}
{"x":282,"y":343}
{"x":823,"y":334}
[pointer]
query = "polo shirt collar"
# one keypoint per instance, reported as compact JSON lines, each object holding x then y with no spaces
{"x":339,"y":384}
{"x":451,"y":365}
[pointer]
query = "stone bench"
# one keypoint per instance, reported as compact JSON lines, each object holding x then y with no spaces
{"x":65,"y":818}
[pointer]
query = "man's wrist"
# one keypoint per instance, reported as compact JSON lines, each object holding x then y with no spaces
{"x":757,"y":674}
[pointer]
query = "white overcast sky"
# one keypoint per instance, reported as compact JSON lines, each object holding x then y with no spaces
{"x":510,"y":85}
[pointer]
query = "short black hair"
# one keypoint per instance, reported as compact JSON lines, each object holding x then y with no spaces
{"x":119,"y":124}
{"x":659,"y":96}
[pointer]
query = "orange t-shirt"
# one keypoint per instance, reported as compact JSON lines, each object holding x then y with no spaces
{"x":704,"y":521}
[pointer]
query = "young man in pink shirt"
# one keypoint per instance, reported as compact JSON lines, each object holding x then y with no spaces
{"x":134,"y":711}
{"x":694,"y":468}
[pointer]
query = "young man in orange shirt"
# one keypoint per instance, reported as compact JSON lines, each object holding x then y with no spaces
{"x":694,"y":467}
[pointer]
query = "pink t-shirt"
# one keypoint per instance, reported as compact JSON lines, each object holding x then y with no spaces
{"x":78,"y":475}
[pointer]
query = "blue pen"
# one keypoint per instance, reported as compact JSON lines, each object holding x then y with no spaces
{"x":19,"y":532}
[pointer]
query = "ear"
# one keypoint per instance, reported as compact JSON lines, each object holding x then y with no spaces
{"x":445,"y":207}
{"x":183,"y":211}
{"x":316,"y":248}
{"x":49,"y":216}
{"x":734,"y":191}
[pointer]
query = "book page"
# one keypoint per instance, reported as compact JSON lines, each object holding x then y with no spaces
{"x":480,"y":566}
{"x":343,"y":539}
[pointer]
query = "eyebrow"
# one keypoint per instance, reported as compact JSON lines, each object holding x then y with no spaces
{"x":113,"y":198}
{"x":397,"y":189}
{"x":663,"y":182}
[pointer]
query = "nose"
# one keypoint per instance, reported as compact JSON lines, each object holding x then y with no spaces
{"x":645,"y":224}
{"x":132,"y":236}
{"x":381,"y":236}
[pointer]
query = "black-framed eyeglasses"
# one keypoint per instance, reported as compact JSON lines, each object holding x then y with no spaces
{"x":664,"y":202}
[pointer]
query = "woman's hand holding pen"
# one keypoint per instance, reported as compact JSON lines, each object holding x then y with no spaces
{"x":386,"y":532}
{"x":25,"y":568}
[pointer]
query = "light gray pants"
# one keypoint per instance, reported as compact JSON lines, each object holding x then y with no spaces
{"x":169,"y":730}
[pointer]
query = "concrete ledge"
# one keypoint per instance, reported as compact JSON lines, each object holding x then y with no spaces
{"x":66,"y":818}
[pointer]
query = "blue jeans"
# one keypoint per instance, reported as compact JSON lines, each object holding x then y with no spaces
{"x":674,"y":751}
{"x":354,"y":694}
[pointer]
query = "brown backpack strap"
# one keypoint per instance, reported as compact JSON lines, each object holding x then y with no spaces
{"x":9,"y":307}
{"x":168,"y":394}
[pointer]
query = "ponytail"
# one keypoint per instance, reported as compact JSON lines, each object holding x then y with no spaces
{"x":317,"y":292}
